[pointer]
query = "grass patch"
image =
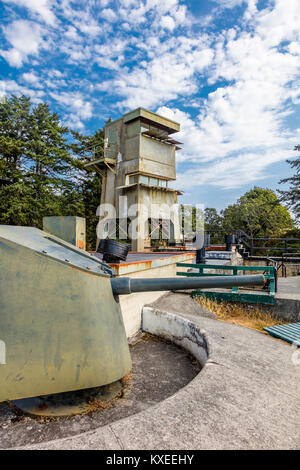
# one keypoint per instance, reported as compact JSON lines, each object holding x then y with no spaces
{"x":247,"y":315}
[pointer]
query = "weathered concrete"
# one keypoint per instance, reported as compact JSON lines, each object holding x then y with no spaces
{"x":137,"y":166}
{"x":247,"y":396}
{"x":287,"y":299}
{"x":289,"y":287}
{"x":183,"y":304}
{"x":177,"y":329}
{"x":131,"y":305}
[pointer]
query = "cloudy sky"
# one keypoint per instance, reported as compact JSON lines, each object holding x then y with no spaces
{"x":227,"y":70}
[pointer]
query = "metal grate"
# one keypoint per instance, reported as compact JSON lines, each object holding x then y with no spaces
{"x":289,"y":333}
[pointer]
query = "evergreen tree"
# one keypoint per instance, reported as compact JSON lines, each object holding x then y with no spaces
{"x":292,"y":196}
{"x":89,"y":148}
{"x":37,"y":173}
{"x":14,"y":114}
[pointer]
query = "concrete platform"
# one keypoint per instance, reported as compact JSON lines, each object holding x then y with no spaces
{"x":289,"y":287}
{"x":247,"y":395}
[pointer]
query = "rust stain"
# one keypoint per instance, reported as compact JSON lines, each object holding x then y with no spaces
{"x":80,"y":244}
{"x":132,"y":263}
{"x":40,"y":407}
{"x":216,"y":248}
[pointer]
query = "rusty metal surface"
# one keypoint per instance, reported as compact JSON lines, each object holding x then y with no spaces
{"x":137,"y":262}
{"x":136,"y":257}
{"x":61,"y":325}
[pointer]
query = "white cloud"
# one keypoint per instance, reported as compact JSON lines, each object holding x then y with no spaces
{"x":25,"y":38}
{"x":75,"y":53}
{"x":167,"y":22}
{"x":167,"y":13}
{"x":72,"y":34}
{"x":8,"y":87}
{"x":232,"y":172}
{"x":163,"y":7}
{"x":40,"y":7}
{"x":110,"y":56}
{"x":179,"y":14}
{"x":109,"y":15}
{"x":280,"y":23}
{"x":241,"y":127}
{"x":55,"y":73}
{"x":80,"y":15}
{"x":167,"y":75}
{"x":88,"y":26}
{"x":74,"y":103}
{"x":32,"y":78}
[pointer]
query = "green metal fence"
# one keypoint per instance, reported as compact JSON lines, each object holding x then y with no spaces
{"x":265,"y":297}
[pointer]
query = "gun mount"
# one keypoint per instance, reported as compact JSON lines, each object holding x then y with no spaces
{"x":61,"y":321}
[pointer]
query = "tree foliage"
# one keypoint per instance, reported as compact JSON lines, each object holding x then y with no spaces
{"x":214,"y":225}
{"x":36,"y":169}
{"x":292,"y":196}
{"x":87,"y":148}
{"x":259,"y":213}
{"x":213,"y":220}
{"x":42,"y":171}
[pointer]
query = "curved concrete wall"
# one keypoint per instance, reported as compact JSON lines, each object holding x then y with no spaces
{"x":177,"y":329}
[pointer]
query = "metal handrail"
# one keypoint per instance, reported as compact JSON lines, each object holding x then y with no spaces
{"x":275,"y":262}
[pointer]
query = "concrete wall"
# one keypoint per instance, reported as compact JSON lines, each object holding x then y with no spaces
{"x":132,"y":305}
{"x":177,"y":329}
{"x":286,"y":309}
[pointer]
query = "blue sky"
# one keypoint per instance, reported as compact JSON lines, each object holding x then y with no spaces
{"x":227,"y":70}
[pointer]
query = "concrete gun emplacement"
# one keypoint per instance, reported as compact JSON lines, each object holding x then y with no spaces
{"x":60,"y":316}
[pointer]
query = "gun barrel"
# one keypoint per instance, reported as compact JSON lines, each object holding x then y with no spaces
{"x":127,"y":285}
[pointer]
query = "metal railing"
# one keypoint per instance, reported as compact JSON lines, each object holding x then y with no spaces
{"x":285,"y":257}
{"x":254,"y":244}
{"x":201,"y":270}
{"x":249,"y":242}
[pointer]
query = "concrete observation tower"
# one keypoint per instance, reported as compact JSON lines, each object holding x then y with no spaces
{"x":139,"y":163}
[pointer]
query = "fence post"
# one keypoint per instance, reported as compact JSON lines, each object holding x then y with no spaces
{"x":235,"y":272}
{"x":252,"y":247}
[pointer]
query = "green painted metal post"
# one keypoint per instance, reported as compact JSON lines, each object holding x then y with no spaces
{"x":234,"y":272}
{"x":272,"y":282}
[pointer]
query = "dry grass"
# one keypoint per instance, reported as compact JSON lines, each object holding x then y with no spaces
{"x":148,"y":337}
{"x":249,"y":316}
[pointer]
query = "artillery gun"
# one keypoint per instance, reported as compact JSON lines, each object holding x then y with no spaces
{"x":61,"y":326}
